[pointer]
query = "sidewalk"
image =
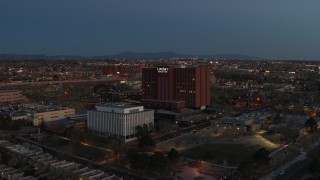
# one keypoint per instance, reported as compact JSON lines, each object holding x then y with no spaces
{"x":279,"y":149}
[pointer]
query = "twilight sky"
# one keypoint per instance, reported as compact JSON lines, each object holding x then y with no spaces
{"x":286,"y":29}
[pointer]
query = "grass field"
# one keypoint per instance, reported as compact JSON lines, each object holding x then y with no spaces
{"x":224,"y":154}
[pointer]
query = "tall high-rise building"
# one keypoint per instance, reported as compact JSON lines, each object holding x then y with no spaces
{"x":176,"y":88}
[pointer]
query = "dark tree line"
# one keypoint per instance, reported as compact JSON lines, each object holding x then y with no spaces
{"x":311,"y":125}
{"x":142,"y":161}
{"x":248,"y":169}
{"x":157,"y":161}
{"x":144,"y":137}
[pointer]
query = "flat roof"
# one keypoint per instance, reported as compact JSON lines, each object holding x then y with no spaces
{"x":157,"y":100}
{"x":120,"y":105}
{"x":67,"y":121}
{"x":4,"y":91}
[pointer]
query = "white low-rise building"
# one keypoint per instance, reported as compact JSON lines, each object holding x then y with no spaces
{"x":51,"y":114}
{"x":119,"y":120}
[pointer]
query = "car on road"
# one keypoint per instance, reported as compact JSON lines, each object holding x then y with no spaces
{"x":281,"y":172}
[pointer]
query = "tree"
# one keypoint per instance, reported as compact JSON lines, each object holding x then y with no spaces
{"x":151,"y":127}
{"x":277,"y":119}
{"x":144,"y":136}
{"x":159,"y":161}
{"x":289,"y":133}
{"x":313,"y":154}
{"x":146,"y":140}
{"x":163,"y":125}
{"x":261,"y":156}
{"x":14,"y":161}
{"x":207,"y":155}
{"x":314,"y":166}
{"x":116,"y":147}
{"x":134,"y":159}
{"x":75,"y":138}
{"x":131,"y":153}
{"x":137,"y":161}
{"x":43,"y":126}
{"x":142,"y":130}
{"x":311,"y":125}
{"x":5,"y":121}
{"x":15,"y":127}
{"x":5,"y":155}
{"x":173,"y":154}
{"x":245,"y":171}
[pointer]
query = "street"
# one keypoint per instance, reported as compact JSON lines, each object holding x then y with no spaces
{"x":295,"y":172}
{"x":46,"y":82}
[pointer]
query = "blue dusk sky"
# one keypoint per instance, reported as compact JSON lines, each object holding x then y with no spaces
{"x":284,"y":29}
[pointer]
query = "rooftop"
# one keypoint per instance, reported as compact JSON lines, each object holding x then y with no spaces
{"x":6,"y":91}
{"x":157,"y":100}
{"x":28,"y":109}
{"x":120,"y":105}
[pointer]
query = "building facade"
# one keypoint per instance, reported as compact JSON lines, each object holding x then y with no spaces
{"x":119,"y":120}
{"x":11,"y":96}
{"x":173,"y":88}
{"x":51,"y":115}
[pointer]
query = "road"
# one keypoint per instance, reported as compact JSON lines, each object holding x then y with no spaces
{"x":295,"y":171}
{"x":299,"y":163}
{"x":46,"y":82}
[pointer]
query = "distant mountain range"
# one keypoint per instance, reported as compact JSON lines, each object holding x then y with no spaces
{"x":128,"y":55}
